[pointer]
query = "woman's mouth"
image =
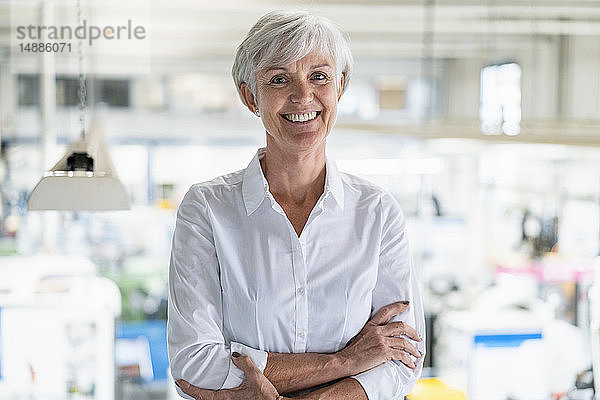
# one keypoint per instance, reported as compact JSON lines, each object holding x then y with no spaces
{"x":301,"y":117}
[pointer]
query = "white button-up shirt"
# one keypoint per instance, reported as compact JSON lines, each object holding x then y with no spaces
{"x":242,"y":280}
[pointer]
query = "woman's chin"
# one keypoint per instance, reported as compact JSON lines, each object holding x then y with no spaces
{"x":299,"y":139}
{"x":308,"y":140}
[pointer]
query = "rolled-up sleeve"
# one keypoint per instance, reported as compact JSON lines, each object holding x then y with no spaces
{"x":396,"y":281}
{"x":198,"y":351}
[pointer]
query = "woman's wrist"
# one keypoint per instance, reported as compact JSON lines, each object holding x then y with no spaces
{"x":344,"y":363}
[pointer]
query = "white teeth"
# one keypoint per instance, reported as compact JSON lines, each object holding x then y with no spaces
{"x":301,"y":117}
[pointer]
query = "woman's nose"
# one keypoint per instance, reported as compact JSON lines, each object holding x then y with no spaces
{"x":301,"y":93}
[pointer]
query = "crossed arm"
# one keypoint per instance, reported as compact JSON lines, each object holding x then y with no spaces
{"x":378,"y":342}
{"x":256,"y":386}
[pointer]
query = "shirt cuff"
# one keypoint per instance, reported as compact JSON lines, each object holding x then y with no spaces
{"x":381,"y":382}
{"x":235,"y":376}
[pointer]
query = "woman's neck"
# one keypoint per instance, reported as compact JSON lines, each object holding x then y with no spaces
{"x":296,"y":177}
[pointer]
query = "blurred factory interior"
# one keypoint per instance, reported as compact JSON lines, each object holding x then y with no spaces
{"x":482,"y":117}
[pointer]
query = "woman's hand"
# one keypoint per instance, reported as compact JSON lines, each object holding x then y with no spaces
{"x":255,"y":386}
{"x":380,"y":341}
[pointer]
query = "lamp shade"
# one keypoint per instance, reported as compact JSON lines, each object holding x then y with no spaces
{"x":83,"y":180}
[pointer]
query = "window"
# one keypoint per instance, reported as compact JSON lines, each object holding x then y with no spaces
{"x":112,"y":92}
{"x":28,"y":90}
{"x":392,"y":94}
{"x":67,"y":92}
{"x":500,"y":99}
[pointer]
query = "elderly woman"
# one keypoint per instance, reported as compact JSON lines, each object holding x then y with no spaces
{"x":289,"y":276}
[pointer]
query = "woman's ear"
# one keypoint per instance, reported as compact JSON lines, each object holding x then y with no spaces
{"x":248,"y":97}
{"x":340,"y":87}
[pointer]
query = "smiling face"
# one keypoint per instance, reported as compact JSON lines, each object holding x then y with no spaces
{"x":297,"y":102}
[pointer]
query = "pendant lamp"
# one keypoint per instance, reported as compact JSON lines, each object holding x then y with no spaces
{"x":84,"y":179}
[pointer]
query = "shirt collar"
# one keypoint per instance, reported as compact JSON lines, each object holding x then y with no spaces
{"x":333,"y":182}
{"x":255,"y":185}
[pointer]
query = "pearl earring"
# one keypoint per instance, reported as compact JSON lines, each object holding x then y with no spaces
{"x":257,"y":113}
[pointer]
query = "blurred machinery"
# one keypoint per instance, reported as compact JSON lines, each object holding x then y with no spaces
{"x":509,"y":345}
{"x":538,"y":234}
{"x":594,"y":300}
{"x":57,"y":324}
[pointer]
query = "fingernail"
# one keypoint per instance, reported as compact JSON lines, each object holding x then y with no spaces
{"x":405,"y":302}
{"x":235,"y":354}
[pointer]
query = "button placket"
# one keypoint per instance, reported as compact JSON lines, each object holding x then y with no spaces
{"x":299,"y":267}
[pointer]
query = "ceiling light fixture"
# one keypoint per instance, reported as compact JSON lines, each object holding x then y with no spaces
{"x":84,"y":179}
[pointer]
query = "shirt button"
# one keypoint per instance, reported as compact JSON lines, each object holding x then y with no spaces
{"x":301,"y":291}
{"x":301,"y":335}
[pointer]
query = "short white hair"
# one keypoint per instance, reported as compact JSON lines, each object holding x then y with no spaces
{"x":283,"y":37}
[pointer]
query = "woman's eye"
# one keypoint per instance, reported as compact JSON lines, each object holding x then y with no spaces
{"x":320,"y":76}
{"x":277,"y":80}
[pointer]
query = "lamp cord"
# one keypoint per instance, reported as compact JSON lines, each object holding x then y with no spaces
{"x":82,"y":93}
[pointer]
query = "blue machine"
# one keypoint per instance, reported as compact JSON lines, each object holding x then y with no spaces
{"x":156,"y":334}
